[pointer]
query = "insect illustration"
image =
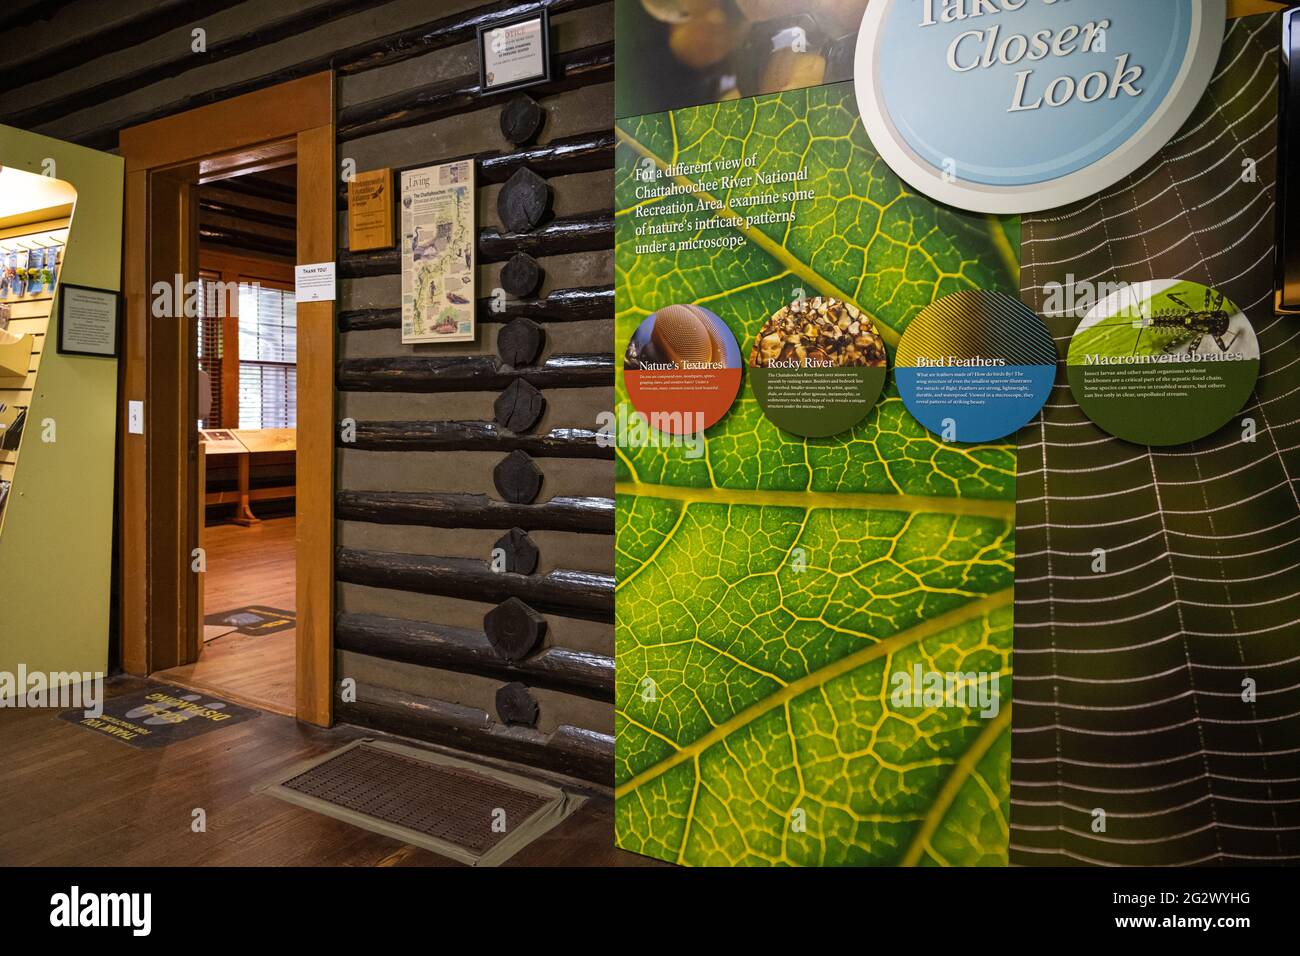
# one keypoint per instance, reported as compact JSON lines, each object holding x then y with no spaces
{"x":1190,"y":325}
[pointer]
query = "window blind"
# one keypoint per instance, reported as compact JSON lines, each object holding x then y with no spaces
{"x":210,"y":346}
{"x":268,"y":356}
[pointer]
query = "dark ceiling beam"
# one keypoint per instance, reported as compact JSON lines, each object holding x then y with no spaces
{"x":19,"y":14}
{"x":160,"y":17}
{"x":436,"y":34}
{"x":245,"y":214}
{"x":258,"y":188}
{"x":186,"y":60}
{"x":247,"y":241}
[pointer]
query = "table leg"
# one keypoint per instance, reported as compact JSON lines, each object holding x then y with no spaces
{"x":243,"y":513}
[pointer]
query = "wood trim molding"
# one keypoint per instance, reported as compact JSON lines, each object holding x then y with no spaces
{"x":317,"y":242}
{"x":245,"y":123}
{"x":233,"y":266}
{"x":165,"y":160}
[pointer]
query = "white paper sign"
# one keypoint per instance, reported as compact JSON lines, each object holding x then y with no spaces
{"x":88,"y":321}
{"x":314,"y":282}
{"x":514,"y":54}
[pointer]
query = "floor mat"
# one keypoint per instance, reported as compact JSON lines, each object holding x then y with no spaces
{"x":256,"y":619}
{"x":160,"y":716}
{"x":472,"y":813}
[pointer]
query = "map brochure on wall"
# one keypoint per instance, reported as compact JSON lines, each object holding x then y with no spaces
{"x":438,"y":260}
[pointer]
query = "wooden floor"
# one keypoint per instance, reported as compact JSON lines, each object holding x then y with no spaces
{"x":253,"y":565}
{"x":70,"y":797}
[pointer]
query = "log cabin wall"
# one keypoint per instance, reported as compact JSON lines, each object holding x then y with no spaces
{"x":517,"y":664}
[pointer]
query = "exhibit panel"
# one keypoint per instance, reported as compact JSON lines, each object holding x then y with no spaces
{"x":1078,"y":463}
{"x":771,"y":585}
{"x":60,"y":232}
{"x":1158,"y":583}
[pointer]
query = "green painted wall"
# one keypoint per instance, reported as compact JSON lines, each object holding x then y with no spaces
{"x":56,"y":541}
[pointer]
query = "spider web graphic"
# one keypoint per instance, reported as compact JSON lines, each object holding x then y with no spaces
{"x":1128,"y":691}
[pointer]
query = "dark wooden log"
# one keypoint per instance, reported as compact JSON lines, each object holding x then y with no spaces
{"x":249,"y":242}
{"x":260,"y":216}
{"x":259,"y":189}
{"x":582,"y":153}
{"x":449,"y":373}
{"x":523,"y":201}
{"x":522,"y":119}
{"x":422,"y":104}
{"x":434,"y":510}
{"x":517,"y":478}
{"x":371,"y":320}
{"x":580,"y":594}
{"x":519,"y":407}
{"x":457,"y":28}
{"x":518,"y":552}
{"x":588,"y":232}
{"x":514,"y":629}
{"x":185,"y":59}
{"x":573,"y":751}
{"x":588,"y":304}
{"x":30,"y":12}
{"x":516,"y":706}
{"x":520,"y":342}
{"x":153,"y":20}
{"x":476,"y":436}
{"x":468,"y":651}
{"x":521,"y":275}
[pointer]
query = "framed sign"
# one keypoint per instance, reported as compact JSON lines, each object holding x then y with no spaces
{"x":438,"y":253}
{"x":370,"y":210}
{"x":88,"y":321}
{"x":514,"y":52}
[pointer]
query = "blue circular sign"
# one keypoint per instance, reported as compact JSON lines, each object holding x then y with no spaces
{"x":1013,"y":106}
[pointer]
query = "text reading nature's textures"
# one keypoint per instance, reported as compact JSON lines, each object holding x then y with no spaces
{"x":778,"y":597}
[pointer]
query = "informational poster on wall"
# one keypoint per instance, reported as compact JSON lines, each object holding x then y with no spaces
{"x":439,"y":247}
{"x":817,"y":543}
{"x":799,"y":578}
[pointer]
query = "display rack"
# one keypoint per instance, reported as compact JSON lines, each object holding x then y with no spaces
{"x":22,"y":340}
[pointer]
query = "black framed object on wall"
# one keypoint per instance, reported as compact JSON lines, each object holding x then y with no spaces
{"x":514,"y":52}
{"x":89,"y":321}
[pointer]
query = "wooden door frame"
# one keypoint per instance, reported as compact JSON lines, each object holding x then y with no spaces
{"x":157,"y":530}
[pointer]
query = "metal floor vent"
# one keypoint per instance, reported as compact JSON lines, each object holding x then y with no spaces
{"x":469,"y":812}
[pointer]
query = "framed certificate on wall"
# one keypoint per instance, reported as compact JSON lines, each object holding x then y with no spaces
{"x":514,"y":52}
{"x":88,"y":321}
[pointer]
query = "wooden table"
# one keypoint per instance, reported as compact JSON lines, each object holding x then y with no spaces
{"x":243,"y":443}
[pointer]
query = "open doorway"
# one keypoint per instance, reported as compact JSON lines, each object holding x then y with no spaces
{"x":246,"y":358}
{"x":226,"y":476}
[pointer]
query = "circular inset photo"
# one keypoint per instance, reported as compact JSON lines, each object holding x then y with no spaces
{"x":682,"y":369}
{"x":1163,"y":362}
{"x":975,"y":366}
{"x":817,"y":367}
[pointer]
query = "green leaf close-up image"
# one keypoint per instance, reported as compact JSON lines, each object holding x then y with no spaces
{"x":775,"y":592}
